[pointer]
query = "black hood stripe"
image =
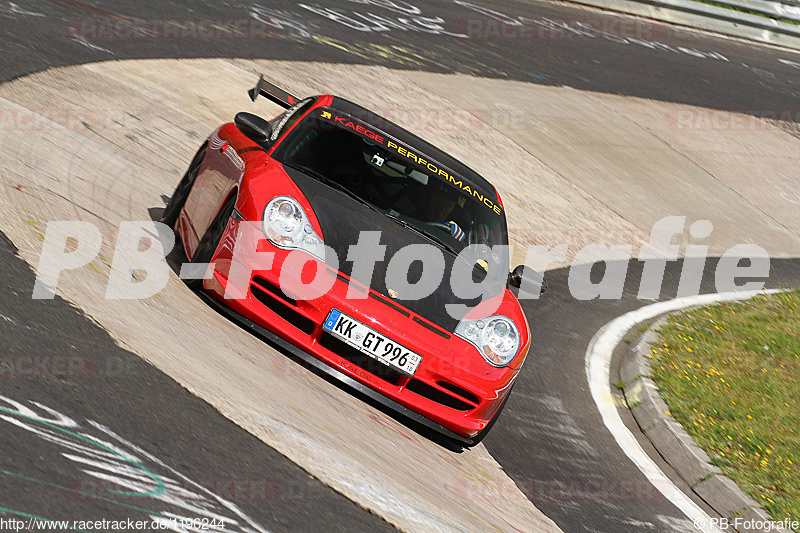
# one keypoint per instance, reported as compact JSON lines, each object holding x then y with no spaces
{"x":342,"y":219}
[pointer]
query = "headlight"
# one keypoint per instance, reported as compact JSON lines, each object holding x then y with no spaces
{"x":286,"y":225}
{"x":496,"y":337}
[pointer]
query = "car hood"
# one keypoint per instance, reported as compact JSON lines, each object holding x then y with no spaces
{"x":342,"y":218}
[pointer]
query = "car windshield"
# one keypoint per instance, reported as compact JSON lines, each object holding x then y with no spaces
{"x":347,"y":154}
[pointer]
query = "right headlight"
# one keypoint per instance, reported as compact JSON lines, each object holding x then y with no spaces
{"x":286,"y":225}
{"x":496,"y":338}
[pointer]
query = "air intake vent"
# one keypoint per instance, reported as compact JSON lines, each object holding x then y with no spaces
{"x":274,"y":289}
{"x":458,"y":390}
{"x":283,"y":310}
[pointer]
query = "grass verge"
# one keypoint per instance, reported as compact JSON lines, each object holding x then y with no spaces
{"x":730,"y":374}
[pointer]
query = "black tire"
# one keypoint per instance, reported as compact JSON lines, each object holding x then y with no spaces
{"x":485,"y":431}
{"x":210,"y":241}
{"x":178,"y":199}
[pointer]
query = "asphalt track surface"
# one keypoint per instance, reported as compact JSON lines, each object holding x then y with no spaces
{"x":554,"y":455}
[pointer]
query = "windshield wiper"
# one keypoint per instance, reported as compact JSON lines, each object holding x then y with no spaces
{"x":421,"y":231}
{"x":330,"y":182}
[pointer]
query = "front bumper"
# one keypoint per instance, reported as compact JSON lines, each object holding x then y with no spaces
{"x":453,"y":391}
{"x":330,"y":371}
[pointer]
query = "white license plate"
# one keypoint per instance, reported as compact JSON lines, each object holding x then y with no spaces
{"x":372,"y":343}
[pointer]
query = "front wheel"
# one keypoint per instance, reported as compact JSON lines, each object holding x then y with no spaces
{"x":210,"y":241}
{"x":178,"y":199}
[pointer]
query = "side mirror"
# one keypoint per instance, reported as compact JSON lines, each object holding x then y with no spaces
{"x":515,"y":279}
{"x":254,"y":128}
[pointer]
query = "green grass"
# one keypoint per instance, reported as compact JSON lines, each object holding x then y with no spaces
{"x":731,"y":375}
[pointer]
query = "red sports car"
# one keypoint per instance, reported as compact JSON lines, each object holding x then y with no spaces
{"x":363,"y":250}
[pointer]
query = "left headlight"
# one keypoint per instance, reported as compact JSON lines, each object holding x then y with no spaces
{"x":286,"y":225}
{"x":496,"y":337}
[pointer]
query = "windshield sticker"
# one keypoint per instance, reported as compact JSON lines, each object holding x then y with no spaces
{"x":358,"y":128}
{"x":432,"y":168}
{"x":436,"y":171}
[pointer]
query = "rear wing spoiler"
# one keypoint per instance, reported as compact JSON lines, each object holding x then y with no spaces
{"x":272,"y":92}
